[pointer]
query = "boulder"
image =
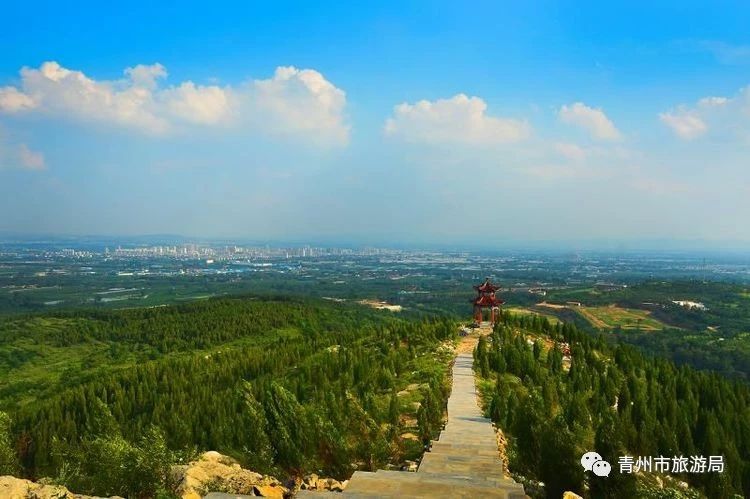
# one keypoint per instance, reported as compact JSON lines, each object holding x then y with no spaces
{"x":309,"y":482}
{"x":273,"y":491}
{"x":214,"y":472}
{"x":314,"y":482}
{"x":571,"y":495}
{"x":18,"y":488}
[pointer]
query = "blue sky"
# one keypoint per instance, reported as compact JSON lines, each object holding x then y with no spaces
{"x":409,"y":122}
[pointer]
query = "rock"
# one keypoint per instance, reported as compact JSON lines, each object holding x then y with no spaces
{"x":214,"y":472}
{"x":274,"y":491}
{"x":18,"y":488}
{"x":410,"y":436}
{"x":314,"y":482}
{"x":410,"y":466}
{"x":571,"y":495}
{"x":337,"y":486}
{"x":310,"y":482}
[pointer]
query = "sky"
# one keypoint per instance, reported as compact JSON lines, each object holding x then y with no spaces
{"x":449,"y":123}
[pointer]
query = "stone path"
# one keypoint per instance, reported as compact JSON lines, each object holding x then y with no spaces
{"x":463,"y":462}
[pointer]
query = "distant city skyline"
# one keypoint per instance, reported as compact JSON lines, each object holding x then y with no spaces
{"x":422,"y":124}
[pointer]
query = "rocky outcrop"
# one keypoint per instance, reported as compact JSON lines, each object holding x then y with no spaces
{"x":18,"y":488}
{"x":314,"y":482}
{"x":214,"y":472}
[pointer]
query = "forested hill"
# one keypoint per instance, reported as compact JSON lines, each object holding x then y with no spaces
{"x":612,"y":400}
{"x":283,"y":385}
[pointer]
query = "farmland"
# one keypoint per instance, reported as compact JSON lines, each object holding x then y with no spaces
{"x":614,"y":317}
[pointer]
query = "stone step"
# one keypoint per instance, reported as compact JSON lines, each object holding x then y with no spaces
{"x":461,"y":458}
{"x":445,"y":446}
{"x":429,"y":485}
{"x":463,"y":462}
{"x":454,"y":479}
{"x":224,"y":495}
{"x":495,"y":471}
{"x":321,"y":494}
{"x":480,"y":453}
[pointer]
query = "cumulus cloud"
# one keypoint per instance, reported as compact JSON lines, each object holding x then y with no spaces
{"x":729,"y":116}
{"x":460,"y":119}
{"x":146,"y":75}
{"x":204,"y":105}
{"x":591,"y":119}
{"x":684,"y":123}
{"x":11,"y":100}
{"x":294,"y":102}
{"x":299,"y":100}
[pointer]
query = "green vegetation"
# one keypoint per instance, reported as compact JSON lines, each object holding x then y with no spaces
{"x":8,"y":460}
{"x":612,"y":400}
{"x":286,"y":386}
{"x":614,"y":317}
{"x":525,"y":311}
{"x":714,"y":339}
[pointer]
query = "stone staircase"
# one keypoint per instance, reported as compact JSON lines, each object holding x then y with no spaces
{"x":463,"y":462}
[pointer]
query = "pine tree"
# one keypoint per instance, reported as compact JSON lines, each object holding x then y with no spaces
{"x":559,"y":467}
{"x":8,"y":459}
{"x":258,"y":446}
{"x":609,"y":444}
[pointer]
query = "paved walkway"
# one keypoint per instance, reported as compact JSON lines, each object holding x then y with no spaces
{"x":463,"y":462}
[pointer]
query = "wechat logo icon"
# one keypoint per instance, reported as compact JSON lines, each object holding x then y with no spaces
{"x":592,"y":461}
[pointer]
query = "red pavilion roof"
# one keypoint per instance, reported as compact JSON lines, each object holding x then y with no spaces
{"x":488,"y":301}
{"x":486,"y":287}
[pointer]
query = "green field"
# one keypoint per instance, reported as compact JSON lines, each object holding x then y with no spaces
{"x":613,"y":317}
{"x":526,"y":311}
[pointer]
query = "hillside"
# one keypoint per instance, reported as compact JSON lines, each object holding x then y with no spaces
{"x":283,"y":386}
{"x":613,"y":400}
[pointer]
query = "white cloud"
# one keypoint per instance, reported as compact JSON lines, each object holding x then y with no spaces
{"x":204,"y":105}
{"x":721,"y":116}
{"x":299,"y":101}
{"x":30,"y":160}
{"x":146,"y":75}
{"x":12,"y":101}
{"x":460,"y":119}
{"x":55,"y":90}
{"x":571,"y":151}
{"x":294,"y":102}
{"x":19,"y":156}
{"x":591,"y":119}
{"x":685,"y":123}
{"x":712,"y":101}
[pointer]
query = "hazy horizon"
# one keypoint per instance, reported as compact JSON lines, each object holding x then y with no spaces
{"x":741,"y":248}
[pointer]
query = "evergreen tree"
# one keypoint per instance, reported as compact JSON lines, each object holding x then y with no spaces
{"x":8,"y":459}
{"x":559,"y":468}
{"x":609,"y":444}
